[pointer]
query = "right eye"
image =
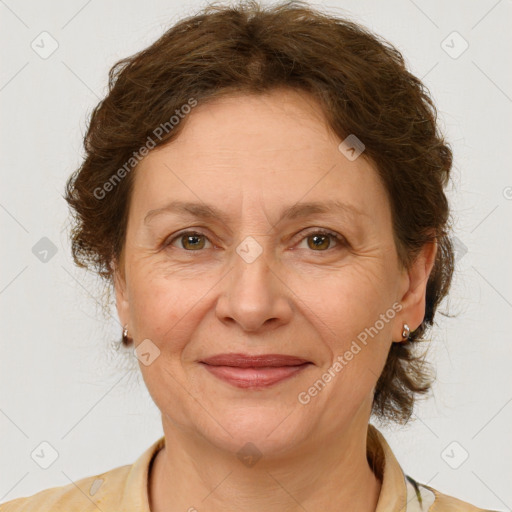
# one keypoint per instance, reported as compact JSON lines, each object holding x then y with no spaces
{"x":190,"y":241}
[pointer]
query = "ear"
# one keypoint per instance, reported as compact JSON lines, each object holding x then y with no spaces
{"x":122,"y":302}
{"x":414,"y":289}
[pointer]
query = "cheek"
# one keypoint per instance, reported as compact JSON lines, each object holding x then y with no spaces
{"x":167,"y":308}
{"x":347,"y":302}
{"x":352,"y":312}
{"x":354,"y":322}
{"x":156,"y":307}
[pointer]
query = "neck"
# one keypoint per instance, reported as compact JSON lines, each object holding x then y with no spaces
{"x":329,"y":473}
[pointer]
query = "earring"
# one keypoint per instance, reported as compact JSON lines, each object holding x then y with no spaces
{"x":406,"y":332}
{"x":125,"y":335}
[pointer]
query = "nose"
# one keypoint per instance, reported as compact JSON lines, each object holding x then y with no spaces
{"x":255,"y":296}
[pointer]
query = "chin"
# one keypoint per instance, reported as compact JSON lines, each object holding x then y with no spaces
{"x":267,"y":430}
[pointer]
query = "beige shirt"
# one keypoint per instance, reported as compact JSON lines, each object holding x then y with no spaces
{"x":125,"y":489}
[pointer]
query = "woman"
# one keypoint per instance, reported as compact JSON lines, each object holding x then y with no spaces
{"x":264,"y":189}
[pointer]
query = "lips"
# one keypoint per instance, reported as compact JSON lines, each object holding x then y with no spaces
{"x":248,"y":361}
{"x":254,"y":372}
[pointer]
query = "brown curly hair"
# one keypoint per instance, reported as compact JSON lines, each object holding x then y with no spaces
{"x":363,"y":87}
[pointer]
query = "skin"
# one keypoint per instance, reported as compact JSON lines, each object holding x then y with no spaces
{"x":252,"y":156}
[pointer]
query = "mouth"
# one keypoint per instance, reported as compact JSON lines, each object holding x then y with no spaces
{"x":254,"y":372}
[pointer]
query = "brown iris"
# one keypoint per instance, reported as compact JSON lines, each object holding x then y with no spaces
{"x":193,"y":241}
{"x":319,"y":241}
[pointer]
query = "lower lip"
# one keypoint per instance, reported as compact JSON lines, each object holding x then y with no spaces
{"x":255,"y":377}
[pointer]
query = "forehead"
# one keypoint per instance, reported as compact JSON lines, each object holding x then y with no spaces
{"x":267,"y":148}
{"x":283,"y":124}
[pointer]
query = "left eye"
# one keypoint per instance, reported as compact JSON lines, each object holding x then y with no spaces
{"x":320,"y":241}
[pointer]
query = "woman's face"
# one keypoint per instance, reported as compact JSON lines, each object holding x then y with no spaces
{"x":253,"y":233}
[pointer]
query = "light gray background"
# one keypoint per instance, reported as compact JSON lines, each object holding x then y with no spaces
{"x":61,"y":380}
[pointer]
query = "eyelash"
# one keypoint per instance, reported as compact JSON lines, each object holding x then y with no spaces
{"x":341,"y":241}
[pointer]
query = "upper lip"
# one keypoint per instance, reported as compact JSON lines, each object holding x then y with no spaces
{"x":248,"y":361}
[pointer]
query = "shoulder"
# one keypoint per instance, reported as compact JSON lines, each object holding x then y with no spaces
{"x":92,"y":493}
{"x":118,"y":490}
{"x":424,"y":498}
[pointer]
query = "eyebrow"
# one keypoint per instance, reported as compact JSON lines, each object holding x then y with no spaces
{"x":298,"y":210}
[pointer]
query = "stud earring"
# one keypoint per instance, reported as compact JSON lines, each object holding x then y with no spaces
{"x":406,"y":332}
{"x":125,"y":335}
